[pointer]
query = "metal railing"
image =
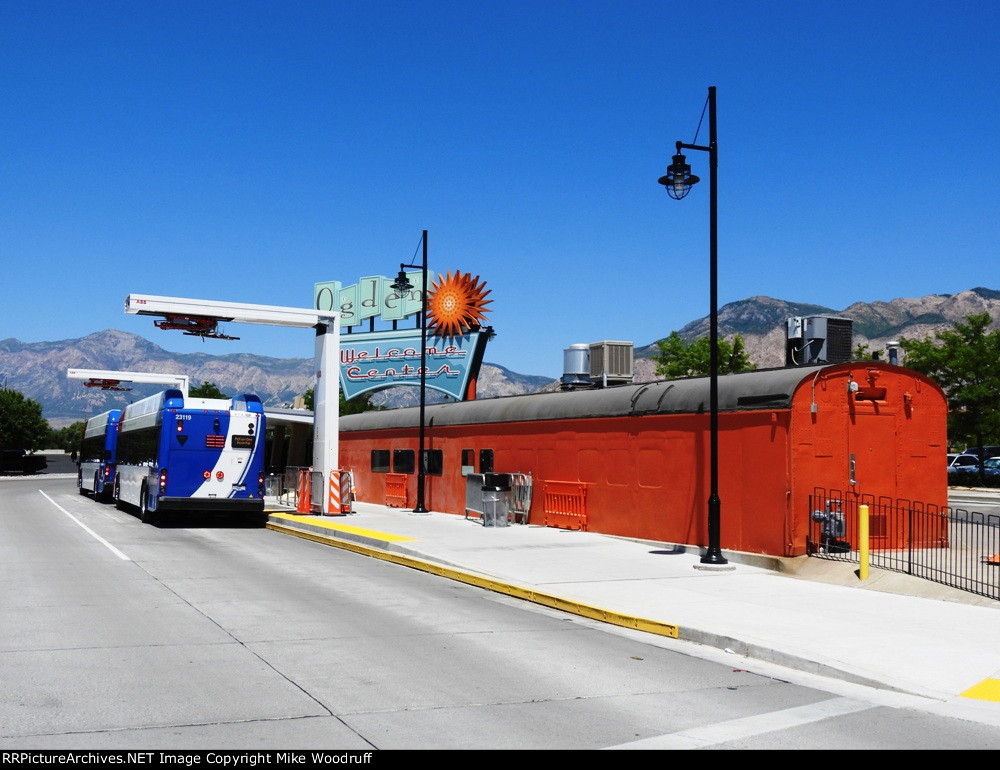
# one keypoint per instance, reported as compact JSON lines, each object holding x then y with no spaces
{"x":946,"y":545}
{"x":288,"y":491}
{"x":520,"y":497}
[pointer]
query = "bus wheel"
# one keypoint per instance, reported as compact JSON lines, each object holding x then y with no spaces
{"x":146,"y":516}
{"x":79,"y":484}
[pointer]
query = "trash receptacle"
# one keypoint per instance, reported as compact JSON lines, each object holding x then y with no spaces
{"x":496,"y":501}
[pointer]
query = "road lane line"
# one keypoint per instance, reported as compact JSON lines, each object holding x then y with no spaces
{"x":748,"y":727}
{"x":89,"y":531}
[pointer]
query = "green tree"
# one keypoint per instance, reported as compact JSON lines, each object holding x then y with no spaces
{"x":206,"y":390}
{"x":965,"y":362}
{"x":356,"y":405}
{"x":680,"y":359}
{"x":21,"y":422}
{"x":68,"y":438}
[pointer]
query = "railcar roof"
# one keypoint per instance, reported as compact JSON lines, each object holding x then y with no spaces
{"x":760,"y":389}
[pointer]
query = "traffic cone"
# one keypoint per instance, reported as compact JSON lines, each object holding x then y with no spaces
{"x":305,"y":493}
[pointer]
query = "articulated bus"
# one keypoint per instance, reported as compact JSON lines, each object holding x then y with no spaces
{"x":191,"y":454}
{"x":98,"y":445}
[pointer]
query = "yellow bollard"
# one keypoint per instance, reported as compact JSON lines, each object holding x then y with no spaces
{"x":863,"y":538}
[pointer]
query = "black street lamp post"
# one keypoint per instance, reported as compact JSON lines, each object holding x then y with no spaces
{"x":678,"y":181}
{"x":401,"y":285}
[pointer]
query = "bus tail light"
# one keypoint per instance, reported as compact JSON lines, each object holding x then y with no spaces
{"x":260,"y":484}
{"x":163,"y":480}
{"x":220,"y":475}
{"x":206,"y":475}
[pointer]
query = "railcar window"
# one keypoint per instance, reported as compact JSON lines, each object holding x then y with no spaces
{"x":870,"y":394}
{"x":468,"y":461}
{"x":433,"y":462}
{"x":486,"y":461}
{"x":403,"y":460}
{"x":380,"y":461}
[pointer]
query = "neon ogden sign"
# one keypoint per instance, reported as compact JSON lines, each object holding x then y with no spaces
{"x":379,"y":359}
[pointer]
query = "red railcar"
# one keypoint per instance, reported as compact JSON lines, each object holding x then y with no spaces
{"x":633,"y":460}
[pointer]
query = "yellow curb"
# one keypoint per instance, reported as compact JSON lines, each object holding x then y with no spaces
{"x":387,"y":537}
{"x":528,"y":594}
{"x":988,"y":689}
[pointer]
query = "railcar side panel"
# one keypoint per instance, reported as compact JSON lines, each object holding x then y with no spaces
{"x":645,"y":478}
{"x":643,"y":451}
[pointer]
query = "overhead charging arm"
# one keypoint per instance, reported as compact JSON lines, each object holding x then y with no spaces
{"x":268,"y":315}
{"x":110,"y":380}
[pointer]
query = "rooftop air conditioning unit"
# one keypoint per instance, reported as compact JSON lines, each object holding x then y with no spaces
{"x":611,"y":363}
{"x":818,"y":339}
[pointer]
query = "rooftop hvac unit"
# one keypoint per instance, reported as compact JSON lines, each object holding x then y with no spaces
{"x":576,"y":367}
{"x":610,"y":362}
{"x":818,"y":339}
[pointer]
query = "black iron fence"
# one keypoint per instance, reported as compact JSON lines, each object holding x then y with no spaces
{"x":946,"y":545}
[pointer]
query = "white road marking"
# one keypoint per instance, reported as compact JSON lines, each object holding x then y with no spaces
{"x":735,"y":729}
{"x":89,"y":531}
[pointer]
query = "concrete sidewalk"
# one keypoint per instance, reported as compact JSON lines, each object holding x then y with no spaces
{"x":893,"y":632}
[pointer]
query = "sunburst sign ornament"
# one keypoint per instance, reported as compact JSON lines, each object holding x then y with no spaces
{"x":456,"y":303}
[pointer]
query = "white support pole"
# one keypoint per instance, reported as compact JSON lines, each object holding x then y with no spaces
{"x":326,"y":404}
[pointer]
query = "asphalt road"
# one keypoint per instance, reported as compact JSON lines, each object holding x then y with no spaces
{"x":225,"y":635}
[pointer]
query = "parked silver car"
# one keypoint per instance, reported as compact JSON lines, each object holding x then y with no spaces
{"x":962,"y":463}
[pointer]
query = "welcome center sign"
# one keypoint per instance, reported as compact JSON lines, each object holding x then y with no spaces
{"x":372,"y":360}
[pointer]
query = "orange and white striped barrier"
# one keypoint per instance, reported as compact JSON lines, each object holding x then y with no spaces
{"x":334,"y":494}
{"x":339,"y":493}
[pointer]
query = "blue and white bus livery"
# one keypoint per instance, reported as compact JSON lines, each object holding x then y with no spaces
{"x":191,"y":454}
{"x":98,"y":445}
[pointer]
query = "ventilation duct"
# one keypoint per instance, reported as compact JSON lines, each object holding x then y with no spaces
{"x":576,"y":367}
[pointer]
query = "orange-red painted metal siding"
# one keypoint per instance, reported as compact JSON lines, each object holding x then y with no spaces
{"x":646,"y":474}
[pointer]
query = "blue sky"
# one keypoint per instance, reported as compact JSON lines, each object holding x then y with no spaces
{"x":243,"y":151}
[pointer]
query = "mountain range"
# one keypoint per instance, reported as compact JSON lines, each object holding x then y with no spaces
{"x":38,"y":369}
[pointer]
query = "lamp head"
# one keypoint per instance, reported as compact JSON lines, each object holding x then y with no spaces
{"x":402,"y":284}
{"x":678,"y":179}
